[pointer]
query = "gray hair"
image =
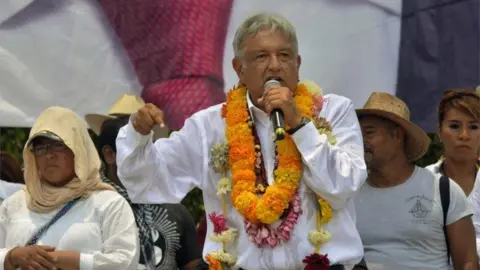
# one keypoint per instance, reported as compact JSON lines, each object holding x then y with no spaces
{"x":263,"y":21}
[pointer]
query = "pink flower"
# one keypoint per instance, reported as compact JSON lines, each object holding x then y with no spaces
{"x":219,"y":222}
{"x":317,"y":104}
{"x":262,"y":234}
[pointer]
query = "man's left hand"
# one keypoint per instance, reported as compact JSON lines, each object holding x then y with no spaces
{"x":279,"y":97}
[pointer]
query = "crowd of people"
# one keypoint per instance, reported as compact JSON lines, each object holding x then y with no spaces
{"x":339,"y":191}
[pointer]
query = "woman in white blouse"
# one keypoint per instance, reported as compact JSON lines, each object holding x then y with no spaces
{"x":459,"y":131}
{"x":66,"y":218}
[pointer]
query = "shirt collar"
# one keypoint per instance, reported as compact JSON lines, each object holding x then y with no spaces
{"x":256,"y":113}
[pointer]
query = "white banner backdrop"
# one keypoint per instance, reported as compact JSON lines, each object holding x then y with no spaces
{"x":64,"y":52}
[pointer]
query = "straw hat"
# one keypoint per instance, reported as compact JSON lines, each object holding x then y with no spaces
{"x":394,"y":109}
{"x":127,"y":104}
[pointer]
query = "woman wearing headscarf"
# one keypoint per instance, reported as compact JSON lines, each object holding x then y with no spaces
{"x":459,"y":131}
{"x":66,"y":218}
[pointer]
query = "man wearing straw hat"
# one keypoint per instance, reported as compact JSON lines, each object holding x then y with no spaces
{"x":166,"y":231}
{"x":399,"y":208}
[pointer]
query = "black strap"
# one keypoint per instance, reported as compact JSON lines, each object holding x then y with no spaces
{"x":304,"y":122}
{"x":362,"y":264}
{"x":445,"y":198}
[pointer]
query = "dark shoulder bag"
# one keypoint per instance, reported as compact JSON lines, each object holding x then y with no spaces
{"x":445,"y":198}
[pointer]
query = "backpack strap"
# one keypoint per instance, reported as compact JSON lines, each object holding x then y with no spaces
{"x":445,"y":198}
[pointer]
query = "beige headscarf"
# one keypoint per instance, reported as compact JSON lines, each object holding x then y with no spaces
{"x":43,"y":197}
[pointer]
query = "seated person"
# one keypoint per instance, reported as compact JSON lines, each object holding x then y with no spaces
{"x":66,"y":218}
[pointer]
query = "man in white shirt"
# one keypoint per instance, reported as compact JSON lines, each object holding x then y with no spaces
{"x":283,"y":204}
{"x":400,"y":214}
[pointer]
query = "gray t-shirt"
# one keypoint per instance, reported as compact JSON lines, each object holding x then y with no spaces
{"x":401,"y":226}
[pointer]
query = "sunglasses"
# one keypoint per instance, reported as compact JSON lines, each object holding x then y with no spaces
{"x":42,"y":149}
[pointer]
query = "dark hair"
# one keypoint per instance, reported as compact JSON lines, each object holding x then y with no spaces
{"x":10,"y":170}
{"x":108,"y":133}
{"x":466,"y":100}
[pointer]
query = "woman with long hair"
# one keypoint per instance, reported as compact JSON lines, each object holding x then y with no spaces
{"x":66,"y":218}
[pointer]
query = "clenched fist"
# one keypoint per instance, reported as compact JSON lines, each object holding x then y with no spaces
{"x":146,"y":118}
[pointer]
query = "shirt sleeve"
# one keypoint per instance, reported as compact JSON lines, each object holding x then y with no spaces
{"x":476,"y":218}
{"x":459,"y":206}
{"x":3,"y":235}
{"x":7,"y":189}
{"x":335,"y":172}
{"x":120,"y":248}
{"x":189,"y":247}
{"x":164,"y":171}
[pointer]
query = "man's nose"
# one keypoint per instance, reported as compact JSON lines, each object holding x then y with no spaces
{"x":274,"y":63}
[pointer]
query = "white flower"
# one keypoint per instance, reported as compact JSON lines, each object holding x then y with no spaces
{"x":313,"y":87}
{"x":224,"y":257}
{"x":319,"y":237}
{"x":220,"y":157}
{"x":224,"y":186}
{"x":330,"y":137}
{"x":223,"y":237}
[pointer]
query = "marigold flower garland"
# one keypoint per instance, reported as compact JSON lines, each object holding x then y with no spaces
{"x":268,"y":208}
{"x":241,"y":161}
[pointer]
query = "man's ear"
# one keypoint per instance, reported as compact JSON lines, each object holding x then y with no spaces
{"x":109,"y":155}
{"x":299,"y":63}
{"x":238,"y":67}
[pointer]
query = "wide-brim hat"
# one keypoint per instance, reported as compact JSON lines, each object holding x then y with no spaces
{"x":390,"y":107}
{"x":127,"y":104}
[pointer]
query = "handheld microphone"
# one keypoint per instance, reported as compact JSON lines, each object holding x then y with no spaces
{"x":277,"y":115}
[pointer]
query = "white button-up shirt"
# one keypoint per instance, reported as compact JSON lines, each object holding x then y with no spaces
{"x":164,"y":172}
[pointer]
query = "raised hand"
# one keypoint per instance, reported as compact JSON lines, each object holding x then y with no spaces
{"x":146,"y":118}
{"x":279,"y":97}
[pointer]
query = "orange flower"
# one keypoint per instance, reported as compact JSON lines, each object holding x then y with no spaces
{"x":244,"y":185}
{"x":213,"y":264}
{"x":241,"y":165}
{"x":275,"y":201}
{"x":236,"y":116}
{"x":224,"y":110}
{"x":244,"y":175}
